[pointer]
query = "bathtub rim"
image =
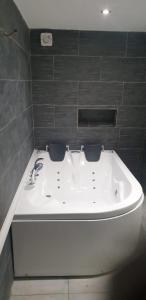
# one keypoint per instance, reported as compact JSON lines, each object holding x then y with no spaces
{"x":79,"y":217}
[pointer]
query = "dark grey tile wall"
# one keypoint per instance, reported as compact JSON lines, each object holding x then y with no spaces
{"x":6,"y":270}
{"x":91,"y":69}
{"x":16,"y":138}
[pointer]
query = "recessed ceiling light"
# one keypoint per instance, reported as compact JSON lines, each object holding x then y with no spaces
{"x":106,"y":11}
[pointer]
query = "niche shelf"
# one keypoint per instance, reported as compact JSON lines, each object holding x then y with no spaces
{"x":96,"y":117}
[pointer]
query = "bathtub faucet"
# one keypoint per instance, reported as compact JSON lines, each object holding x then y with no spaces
{"x":34,"y":172}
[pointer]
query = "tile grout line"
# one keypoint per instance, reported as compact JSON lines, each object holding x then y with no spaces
{"x":82,"y":81}
{"x":94,"y":56}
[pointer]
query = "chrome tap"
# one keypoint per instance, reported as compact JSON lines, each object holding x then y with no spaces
{"x":34,"y":172}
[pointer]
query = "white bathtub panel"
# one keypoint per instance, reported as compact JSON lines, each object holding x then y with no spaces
{"x":59,"y":248}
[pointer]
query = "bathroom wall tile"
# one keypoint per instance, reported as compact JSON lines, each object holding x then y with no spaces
{"x":12,"y":138}
{"x":40,"y":287}
{"x":42,"y":67}
{"x":134,"y":94}
{"x":11,"y":179}
{"x":99,"y":284}
{"x":97,"y":74}
{"x":26,"y":151}
{"x":102,"y":43}
{"x":76,"y":137}
{"x":15,"y":119}
{"x":15,"y":96}
{"x":11,"y":19}
{"x":8,"y":185}
{"x":7,"y":280}
{"x":123,"y":69}
{"x":133,"y":158}
{"x":65,"y":42}
{"x":136,"y":45}
{"x":54,"y":92}
{"x":44,"y":136}
{"x":106,"y":136}
{"x":131,"y":138}
{"x":15,"y":64}
{"x":76,"y":68}
{"x":5,"y":258}
{"x":24,"y":65}
{"x":96,"y":93}
{"x":44,"y":116}
{"x":65,"y":116}
{"x":41,"y":297}
{"x":131,"y":116}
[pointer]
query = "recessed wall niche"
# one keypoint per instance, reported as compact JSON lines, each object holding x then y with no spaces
{"x":96,"y":117}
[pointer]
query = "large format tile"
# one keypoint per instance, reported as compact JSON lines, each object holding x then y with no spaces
{"x":5,"y":260}
{"x":91,"y":285}
{"x":44,"y":116}
{"x":40,"y":287}
{"x":65,"y":42}
{"x":91,"y":296}
{"x":123,"y":69}
{"x":102,"y":43}
{"x":10,"y":180}
{"x":132,"y":138}
{"x":7,"y":280}
{"x":65,"y":116}
{"x":43,"y":136}
{"x":76,"y":68}
{"x":133,"y":158}
{"x":26,"y":151}
{"x":15,"y":96}
{"x":41,"y":297}
{"x":12,"y":138}
{"x":54,"y":92}
{"x":15,"y":63}
{"x":42,"y":67}
{"x":107,"y":136}
{"x":10,"y":19}
{"x":15,"y":124}
{"x":134,"y":94}
{"x":136,"y":45}
{"x":55,"y":116}
{"x":131,"y":116}
{"x":100,"y":93}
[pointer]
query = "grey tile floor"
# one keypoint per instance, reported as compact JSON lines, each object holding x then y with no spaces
{"x":73,"y":289}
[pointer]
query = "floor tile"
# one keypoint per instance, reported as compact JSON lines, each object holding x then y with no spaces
{"x":90,"y":296}
{"x":91,"y":285}
{"x":41,"y":297}
{"x":39,"y":287}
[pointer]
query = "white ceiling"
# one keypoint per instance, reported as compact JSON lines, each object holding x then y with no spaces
{"x":126,"y":15}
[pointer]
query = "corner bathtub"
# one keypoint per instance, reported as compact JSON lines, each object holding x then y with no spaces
{"x":79,"y":218}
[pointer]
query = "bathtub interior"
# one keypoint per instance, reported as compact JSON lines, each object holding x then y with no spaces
{"x":75,"y":185}
{"x":75,"y":179}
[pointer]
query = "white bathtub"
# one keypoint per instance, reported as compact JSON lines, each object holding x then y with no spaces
{"x":79,"y":218}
